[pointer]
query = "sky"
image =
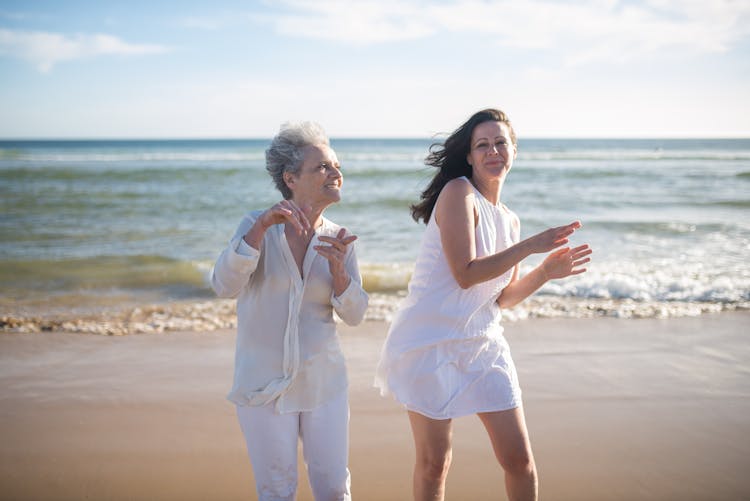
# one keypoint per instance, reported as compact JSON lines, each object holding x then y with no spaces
{"x":380,"y":68}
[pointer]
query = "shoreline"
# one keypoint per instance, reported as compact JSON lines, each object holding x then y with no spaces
{"x":120,"y":316}
{"x":617,"y":410}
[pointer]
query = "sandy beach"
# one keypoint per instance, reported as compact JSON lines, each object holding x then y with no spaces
{"x":617,"y":409}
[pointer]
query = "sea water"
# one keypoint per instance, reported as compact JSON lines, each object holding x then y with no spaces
{"x":143,"y":221}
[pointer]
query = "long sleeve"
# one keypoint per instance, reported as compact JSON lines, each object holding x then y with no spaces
{"x":351,"y":305}
{"x":235,"y":264}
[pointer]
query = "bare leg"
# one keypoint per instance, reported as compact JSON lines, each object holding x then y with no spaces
{"x":432,"y":440}
{"x":510,"y":441}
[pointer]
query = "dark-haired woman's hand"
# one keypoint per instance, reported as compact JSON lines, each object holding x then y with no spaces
{"x":565,"y":262}
{"x":551,"y":238}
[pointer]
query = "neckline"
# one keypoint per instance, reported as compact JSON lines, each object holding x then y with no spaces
{"x":499,"y":205}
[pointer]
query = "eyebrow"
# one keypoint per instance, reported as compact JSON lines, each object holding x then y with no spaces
{"x":487,"y":139}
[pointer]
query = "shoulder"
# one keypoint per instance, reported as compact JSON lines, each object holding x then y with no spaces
{"x":455,"y":190}
{"x":515,"y":222}
{"x":456,"y":196}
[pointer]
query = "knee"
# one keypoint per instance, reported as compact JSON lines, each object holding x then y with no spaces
{"x":519,"y":462}
{"x":435,"y":464}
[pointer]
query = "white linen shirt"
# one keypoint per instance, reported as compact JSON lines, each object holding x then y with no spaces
{"x":287,"y":347}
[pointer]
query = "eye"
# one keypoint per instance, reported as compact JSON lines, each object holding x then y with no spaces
{"x":481,"y":146}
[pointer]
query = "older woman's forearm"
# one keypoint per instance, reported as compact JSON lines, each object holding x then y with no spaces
{"x":351,"y":305}
{"x":341,"y":283}
{"x":233,"y":269}
{"x":255,"y":234}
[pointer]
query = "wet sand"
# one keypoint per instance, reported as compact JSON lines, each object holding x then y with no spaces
{"x":617,"y":410}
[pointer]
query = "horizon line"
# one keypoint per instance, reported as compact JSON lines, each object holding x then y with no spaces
{"x":333,"y":138}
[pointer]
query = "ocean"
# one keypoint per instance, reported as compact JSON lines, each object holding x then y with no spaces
{"x":126,"y":231}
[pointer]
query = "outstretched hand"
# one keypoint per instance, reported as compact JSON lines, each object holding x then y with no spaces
{"x":552,"y":238}
{"x":565,"y":262}
{"x":335,"y":253}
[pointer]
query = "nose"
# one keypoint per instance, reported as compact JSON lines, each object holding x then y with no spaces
{"x":494,"y":148}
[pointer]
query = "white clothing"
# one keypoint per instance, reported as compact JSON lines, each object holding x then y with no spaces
{"x":272,"y":438}
{"x":287,"y":348}
{"x":445,"y":355}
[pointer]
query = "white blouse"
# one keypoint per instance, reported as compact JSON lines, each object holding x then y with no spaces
{"x":287,"y":347}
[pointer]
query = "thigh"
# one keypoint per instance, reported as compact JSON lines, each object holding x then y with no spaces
{"x":508,"y":434}
{"x":271,"y":440}
{"x":325,"y":433}
{"x":432,"y":437}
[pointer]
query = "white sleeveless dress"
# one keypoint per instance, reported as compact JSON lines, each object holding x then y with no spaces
{"x":445,"y":355}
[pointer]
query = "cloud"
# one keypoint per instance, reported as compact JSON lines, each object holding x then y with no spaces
{"x":44,"y":49}
{"x":585,"y":30}
{"x":365,"y":21}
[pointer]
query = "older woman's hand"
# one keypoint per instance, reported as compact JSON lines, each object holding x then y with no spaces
{"x":335,"y":253}
{"x":285,"y":211}
{"x":282,"y":212}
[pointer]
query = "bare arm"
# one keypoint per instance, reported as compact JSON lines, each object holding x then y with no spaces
{"x":560,"y":264}
{"x":456,"y":218}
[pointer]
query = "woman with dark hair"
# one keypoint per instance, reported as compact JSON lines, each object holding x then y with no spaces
{"x":289,"y":268}
{"x":445,"y":355}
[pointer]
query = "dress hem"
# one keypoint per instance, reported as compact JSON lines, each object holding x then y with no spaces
{"x":516,"y":403}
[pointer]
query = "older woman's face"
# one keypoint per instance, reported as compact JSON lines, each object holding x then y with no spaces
{"x":319,"y":179}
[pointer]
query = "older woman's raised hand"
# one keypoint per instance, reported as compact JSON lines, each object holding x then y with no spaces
{"x":335,"y":253}
{"x":286,"y":211}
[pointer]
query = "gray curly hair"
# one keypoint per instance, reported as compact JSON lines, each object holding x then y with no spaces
{"x":285,"y":153}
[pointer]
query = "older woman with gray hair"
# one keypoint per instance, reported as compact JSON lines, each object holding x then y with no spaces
{"x":290,"y":268}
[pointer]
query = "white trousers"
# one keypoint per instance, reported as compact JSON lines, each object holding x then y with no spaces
{"x":272,"y":446}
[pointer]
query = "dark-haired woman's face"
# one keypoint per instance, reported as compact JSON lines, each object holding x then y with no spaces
{"x":491,"y":150}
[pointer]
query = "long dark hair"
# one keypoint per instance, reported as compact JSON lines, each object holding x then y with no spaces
{"x":450,"y":159}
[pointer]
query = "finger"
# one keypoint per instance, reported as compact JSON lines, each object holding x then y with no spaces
{"x":558,"y":243}
{"x":578,"y":272}
{"x":570,"y":228}
{"x":579,"y":255}
{"x":576,"y":264}
{"x":346,"y":241}
{"x":328,"y":253}
{"x":291,"y":216}
{"x":300,"y":215}
{"x":341,"y":233}
{"x":559,"y":252}
{"x":338,"y":244}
